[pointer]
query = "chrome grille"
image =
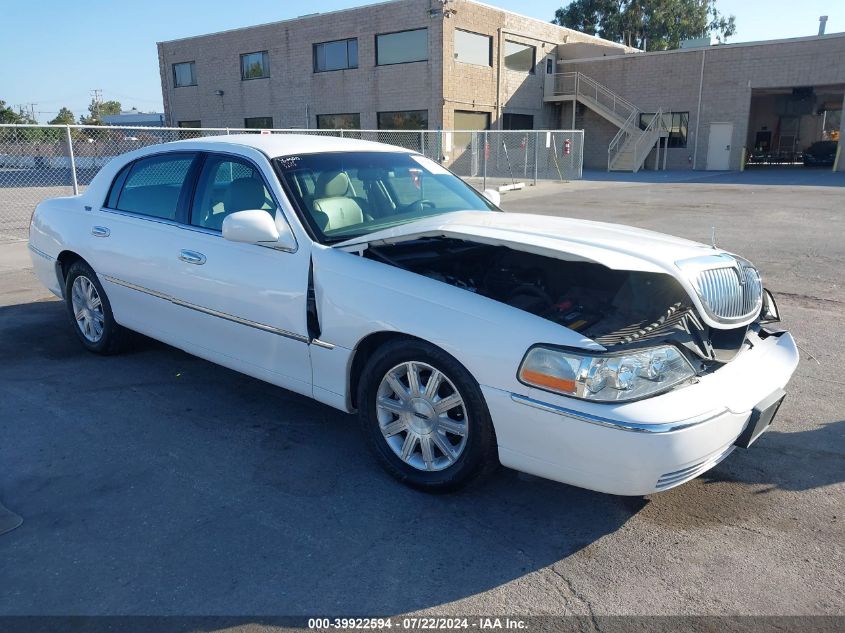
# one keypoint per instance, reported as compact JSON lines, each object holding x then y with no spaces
{"x":732,"y":293}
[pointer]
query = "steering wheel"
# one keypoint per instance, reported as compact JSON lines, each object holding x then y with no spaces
{"x":417,"y":205}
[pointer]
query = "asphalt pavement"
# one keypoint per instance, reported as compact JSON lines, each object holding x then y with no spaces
{"x":157,"y":483}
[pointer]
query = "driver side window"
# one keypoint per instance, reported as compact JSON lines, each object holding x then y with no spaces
{"x":227,"y":185}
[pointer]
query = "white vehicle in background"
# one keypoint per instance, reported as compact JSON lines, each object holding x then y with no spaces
{"x":373,"y":280}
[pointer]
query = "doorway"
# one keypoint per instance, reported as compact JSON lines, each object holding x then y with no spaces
{"x":719,"y":146}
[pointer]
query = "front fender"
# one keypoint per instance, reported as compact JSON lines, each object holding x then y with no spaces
{"x":357,"y":296}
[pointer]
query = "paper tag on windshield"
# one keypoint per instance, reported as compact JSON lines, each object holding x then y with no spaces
{"x":430,"y":165}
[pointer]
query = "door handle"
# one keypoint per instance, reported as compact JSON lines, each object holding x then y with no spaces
{"x":192,"y":257}
{"x":100,"y":231}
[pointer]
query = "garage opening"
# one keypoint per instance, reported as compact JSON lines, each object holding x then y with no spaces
{"x":794,"y":126}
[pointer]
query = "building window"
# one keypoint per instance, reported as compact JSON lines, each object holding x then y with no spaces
{"x":511,"y":121}
{"x":255,"y":65}
{"x":407,"y":120}
{"x":191,"y":133}
{"x":258,"y":123}
{"x":676,"y":122}
{"x":337,"y":55}
{"x":520,"y":57}
{"x":184,"y":74}
{"x":472,"y":48}
{"x":338,"y":121}
{"x":402,"y":47}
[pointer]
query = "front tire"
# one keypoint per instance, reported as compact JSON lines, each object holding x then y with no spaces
{"x":424,"y":417}
{"x":90,"y":311}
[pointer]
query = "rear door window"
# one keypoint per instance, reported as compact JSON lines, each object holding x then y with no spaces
{"x":153,"y":186}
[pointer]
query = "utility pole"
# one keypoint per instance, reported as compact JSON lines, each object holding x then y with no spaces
{"x":97,"y":98}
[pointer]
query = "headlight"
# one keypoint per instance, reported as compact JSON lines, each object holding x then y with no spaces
{"x":605,"y":377}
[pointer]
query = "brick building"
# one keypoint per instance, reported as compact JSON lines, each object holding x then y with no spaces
{"x":461,"y":64}
{"x":770,"y":98}
{"x":402,"y":63}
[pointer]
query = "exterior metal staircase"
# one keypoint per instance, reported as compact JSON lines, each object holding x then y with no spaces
{"x":631,"y":146}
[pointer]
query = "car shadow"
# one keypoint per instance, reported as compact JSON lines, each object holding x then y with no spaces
{"x":793,"y":461}
{"x":157,"y":483}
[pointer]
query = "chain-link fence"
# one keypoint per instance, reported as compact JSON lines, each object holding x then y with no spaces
{"x":43,"y":161}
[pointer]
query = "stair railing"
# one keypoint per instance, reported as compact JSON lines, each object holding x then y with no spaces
{"x":589,"y":88}
{"x":649,"y":136}
{"x":577,"y":84}
{"x":625,"y":133}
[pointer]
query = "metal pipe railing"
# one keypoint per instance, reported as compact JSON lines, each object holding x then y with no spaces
{"x":621,"y":139}
{"x":578,"y":84}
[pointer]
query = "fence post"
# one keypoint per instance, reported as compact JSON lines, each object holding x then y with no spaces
{"x":484,"y":153}
{"x":72,"y":161}
{"x":581,"y":155}
{"x":422,"y":143}
{"x":537,"y":153}
{"x":525,"y":157}
{"x":227,"y":131}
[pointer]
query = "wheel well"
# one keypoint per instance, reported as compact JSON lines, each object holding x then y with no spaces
{"x":64,"y":261}
{"x":365,"y":349}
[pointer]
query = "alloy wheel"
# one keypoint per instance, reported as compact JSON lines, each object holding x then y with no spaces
{"x":422,"y":416}
{"x":87,"y":309}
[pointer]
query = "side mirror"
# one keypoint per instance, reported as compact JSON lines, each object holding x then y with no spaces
{"x":493,"y":196}
{"x":257,"y":226}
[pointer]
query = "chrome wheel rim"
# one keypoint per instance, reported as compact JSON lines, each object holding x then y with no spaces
{"x":87,"y":309}
{"x":422,"y":416}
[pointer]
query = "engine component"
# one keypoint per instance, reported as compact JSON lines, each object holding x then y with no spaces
{"x":612,"y":307}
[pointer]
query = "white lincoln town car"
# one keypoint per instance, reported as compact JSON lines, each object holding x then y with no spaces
{"x":371,"y":279}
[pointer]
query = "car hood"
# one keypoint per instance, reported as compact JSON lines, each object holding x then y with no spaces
{"x":613,"y":245}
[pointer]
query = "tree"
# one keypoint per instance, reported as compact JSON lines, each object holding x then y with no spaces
{"x":653,"y":25}
{"x":64,"y":117}
{"x":99,"y":109}
{"x":7,"y":115}
{"x":21,"y":116}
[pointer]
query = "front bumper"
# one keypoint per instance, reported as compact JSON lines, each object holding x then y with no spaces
{"x":639,"y":447}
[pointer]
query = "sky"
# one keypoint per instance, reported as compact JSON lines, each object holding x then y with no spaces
{"x":76,"y":47}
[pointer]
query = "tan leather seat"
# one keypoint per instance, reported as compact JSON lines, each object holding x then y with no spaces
{"x":242,"y":194}
{"x":333,"y":209}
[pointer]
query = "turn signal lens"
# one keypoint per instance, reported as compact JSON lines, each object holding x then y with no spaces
{"x":606,"y":377}
{"x":552,"y":382}
{"x":551,"y":370}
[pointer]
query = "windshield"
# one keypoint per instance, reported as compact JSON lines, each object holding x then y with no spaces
{"x":347,"y":194}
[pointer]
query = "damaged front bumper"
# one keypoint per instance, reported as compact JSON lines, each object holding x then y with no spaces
{"x":646,"y":446}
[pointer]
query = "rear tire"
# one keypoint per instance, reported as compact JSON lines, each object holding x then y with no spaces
{"x":424,"y":417}
{"x":90,"y":311}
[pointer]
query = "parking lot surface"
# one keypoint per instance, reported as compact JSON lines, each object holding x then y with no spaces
{"x":158,"y":483}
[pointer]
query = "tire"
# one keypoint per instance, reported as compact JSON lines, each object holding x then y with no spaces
{"x":449,"y":448}
{"x":85,"y":297}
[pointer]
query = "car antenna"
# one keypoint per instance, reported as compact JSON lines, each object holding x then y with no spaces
{"x":713,"y":237}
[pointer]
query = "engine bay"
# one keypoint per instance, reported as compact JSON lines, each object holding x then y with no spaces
{"x":611,"y":307}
